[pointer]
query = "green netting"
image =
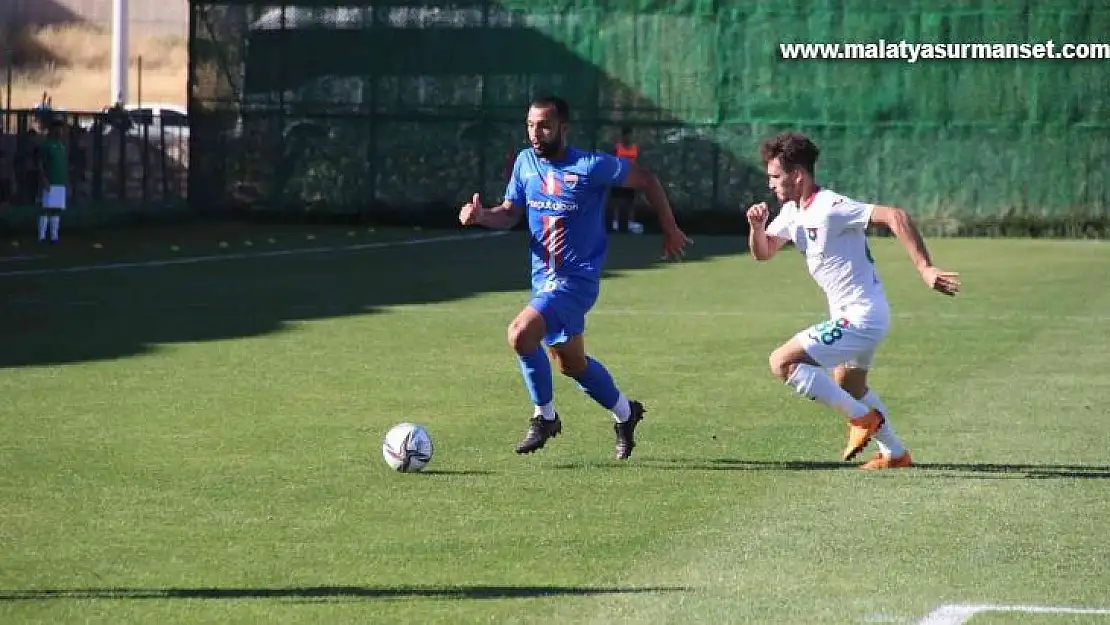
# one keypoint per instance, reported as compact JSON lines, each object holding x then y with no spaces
{"x":398,"y":107}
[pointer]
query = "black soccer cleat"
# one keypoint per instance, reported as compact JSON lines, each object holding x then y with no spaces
{"x":539,"y":431}
{"x":626,"y":440}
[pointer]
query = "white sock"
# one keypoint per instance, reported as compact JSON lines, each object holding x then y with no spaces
{"x":888,"y":442}
{"x":43,"y":219}
{"x":814,"y":383}
{"x":55,"y":224}
{"x":622,"y":411}
{"x":547,"y":411}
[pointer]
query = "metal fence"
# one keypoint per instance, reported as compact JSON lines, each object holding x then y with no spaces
{"x":403,"y":107}
{"x":123,"y":164}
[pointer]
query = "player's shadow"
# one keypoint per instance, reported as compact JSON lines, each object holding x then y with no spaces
{"x":128,"y":311}
{"x":412,"y":164}
{"x":1018,"y":471}
{"x":473,"y":592}
{"x":977,"y":470}
{"x":710,"y":464}
{"x":455,"y":472}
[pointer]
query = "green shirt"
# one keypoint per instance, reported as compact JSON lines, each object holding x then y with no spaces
{"x":54,"y":161}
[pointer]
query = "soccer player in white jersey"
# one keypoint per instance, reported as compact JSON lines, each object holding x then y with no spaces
{"x":830,"y":230}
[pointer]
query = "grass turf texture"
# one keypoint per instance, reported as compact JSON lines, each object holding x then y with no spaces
{"x":201,"y":443}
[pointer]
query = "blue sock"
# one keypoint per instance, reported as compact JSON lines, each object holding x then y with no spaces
{"x":536,"y":369}
{"x":598,"y":384}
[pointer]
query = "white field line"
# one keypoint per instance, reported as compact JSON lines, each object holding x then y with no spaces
{"x":957,"y":614}
{"x":193,"y":260}
{"x":456,"y":310}
{"x":510,"y":311}
{"x":16,"y":259}
{"x":752,"y":314}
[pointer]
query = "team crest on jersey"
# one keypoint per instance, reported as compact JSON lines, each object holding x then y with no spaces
{"x":811,"y":234}
{"x":570,"y":179}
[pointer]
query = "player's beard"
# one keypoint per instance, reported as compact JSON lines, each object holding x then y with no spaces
{"x":548,"y":149}
{"x":791,"y":193}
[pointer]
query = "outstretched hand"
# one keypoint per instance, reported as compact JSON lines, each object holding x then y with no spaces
{"x":946,"y":282}
{"x":471,"y":212}
{"x":674,"y":244}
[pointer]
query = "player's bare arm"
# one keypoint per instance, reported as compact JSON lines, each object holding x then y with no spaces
{"x":674,"y":239}
{"x":902,"y":226}
{"x":501,"y":217}
{"x":762,"y":245}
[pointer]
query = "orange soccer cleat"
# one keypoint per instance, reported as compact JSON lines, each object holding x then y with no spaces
{"x":860,"y":432}
{"x":886,"y":462}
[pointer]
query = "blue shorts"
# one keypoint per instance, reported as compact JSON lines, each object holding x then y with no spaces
{"x":564,"y":303}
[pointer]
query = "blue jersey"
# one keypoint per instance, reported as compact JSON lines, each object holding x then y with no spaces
{"x":565,"y":201}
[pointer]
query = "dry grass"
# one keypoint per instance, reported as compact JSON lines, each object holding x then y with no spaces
{"x":73,"y":64}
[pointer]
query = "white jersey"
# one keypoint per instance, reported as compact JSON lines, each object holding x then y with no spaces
{"x":830,"y":230}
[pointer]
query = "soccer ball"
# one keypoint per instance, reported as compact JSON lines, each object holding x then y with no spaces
{"x":407,"y":448}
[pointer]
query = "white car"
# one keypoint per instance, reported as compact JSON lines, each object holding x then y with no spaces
{"x":169,"y":120}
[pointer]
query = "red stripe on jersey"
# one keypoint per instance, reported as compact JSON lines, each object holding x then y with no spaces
{"x":557,"y":241}
{"x":550,"y":184}
{"x":545,"y":235}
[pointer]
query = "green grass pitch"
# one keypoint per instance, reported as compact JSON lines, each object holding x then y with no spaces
{"x":199,"y":441}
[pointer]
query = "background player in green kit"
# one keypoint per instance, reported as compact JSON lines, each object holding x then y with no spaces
{"x":55,"y":178}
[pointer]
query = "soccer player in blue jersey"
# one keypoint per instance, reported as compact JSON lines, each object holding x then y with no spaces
{"x":563,"y":191}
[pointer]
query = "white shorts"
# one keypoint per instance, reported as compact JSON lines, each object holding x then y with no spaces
{"x":841,"y":341}
{"x":54,"y":197}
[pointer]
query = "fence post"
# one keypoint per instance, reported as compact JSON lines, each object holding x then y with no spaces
{"x":121,"y":173}
{"x":139,"y":81}
{"x":144,"y":162}
{"x":146,"y":134}
{"x":8,"y":86}
{"x":97,"y":135}
{"x":483,"y":103}
{"x":164,"y":158}
{"x":372,"y":147}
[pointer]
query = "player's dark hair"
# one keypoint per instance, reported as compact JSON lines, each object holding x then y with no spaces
{"x":562,"y":109}
{"x":626,"y":131}
{"x":793,"y":150}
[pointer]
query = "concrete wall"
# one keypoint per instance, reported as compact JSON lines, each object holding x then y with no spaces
{"x":153,"y":17}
